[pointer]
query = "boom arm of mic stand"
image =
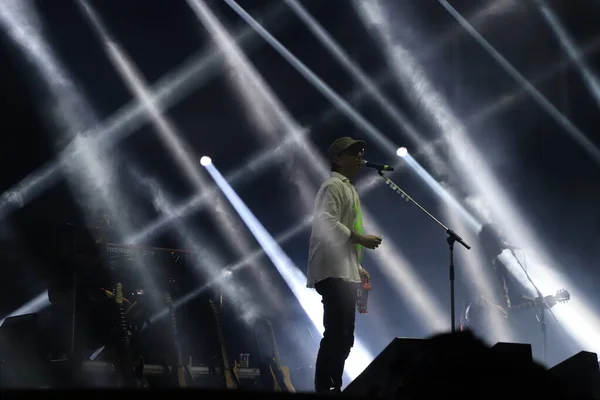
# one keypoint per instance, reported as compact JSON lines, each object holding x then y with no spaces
{"x":451,"y":239}
{"x":452,"y":235}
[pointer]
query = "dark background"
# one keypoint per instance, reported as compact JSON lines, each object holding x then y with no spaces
{"x":553,"y":180}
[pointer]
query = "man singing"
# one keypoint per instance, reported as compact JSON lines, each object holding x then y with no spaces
{"x":337,"y":245}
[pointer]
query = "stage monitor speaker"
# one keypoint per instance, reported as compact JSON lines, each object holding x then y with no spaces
{"x":580,"y":373}
{"x":20,"y":364}
{"x":380,"y":378}
{"x":18,"y":337}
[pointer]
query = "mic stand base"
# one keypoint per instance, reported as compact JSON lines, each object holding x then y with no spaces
{"x":544,"y":307}
{"x":542,"y":322}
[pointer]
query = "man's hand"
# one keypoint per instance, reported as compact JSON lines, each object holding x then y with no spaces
{"x":370,"y":241}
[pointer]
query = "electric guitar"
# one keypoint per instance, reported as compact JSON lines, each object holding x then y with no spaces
{"x":230,"y":373}
{"x":181,"y":371}
{"x":561,"y":296}
{"x":281,"y":374}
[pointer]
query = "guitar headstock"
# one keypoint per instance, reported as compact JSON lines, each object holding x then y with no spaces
{"x":562,"y":296}
{"x":119,"y":293}
{"x":168,"y":299}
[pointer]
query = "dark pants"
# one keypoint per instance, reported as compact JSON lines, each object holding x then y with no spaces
{"x":339,"y":304}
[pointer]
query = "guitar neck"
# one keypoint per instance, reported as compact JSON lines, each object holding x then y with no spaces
{"x":122,"y":319}
{"x":536,"y":303}
{"x":124,"y":361}
{"x":273,"y":342}
{"x":229,"y":373}
{"x":522,"y":306}
{"x":224,"y":355}
{"x":176,"y":337}
{"x":179,"y":370}
{"x":124,"y":326}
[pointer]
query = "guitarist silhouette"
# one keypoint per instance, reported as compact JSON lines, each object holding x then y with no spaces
{"x":507,"y":295}
{"x":505,"y":292}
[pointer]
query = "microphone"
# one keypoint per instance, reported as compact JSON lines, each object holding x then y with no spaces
{"x":378,"y":167}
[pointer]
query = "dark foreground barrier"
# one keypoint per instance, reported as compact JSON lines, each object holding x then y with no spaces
{"x":580,"y":373}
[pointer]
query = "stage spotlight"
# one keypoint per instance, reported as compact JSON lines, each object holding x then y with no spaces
{"x":206,"y":161}
{"x":402,"y":152}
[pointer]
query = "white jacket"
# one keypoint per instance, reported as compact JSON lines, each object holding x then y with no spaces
{"x":331,"y":254}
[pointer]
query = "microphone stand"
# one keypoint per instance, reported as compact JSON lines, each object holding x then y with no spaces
{"x":450,"y":239}
{"x":542,"y":318}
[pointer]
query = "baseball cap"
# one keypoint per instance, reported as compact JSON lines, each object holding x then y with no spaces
{"x":342,"y":144}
